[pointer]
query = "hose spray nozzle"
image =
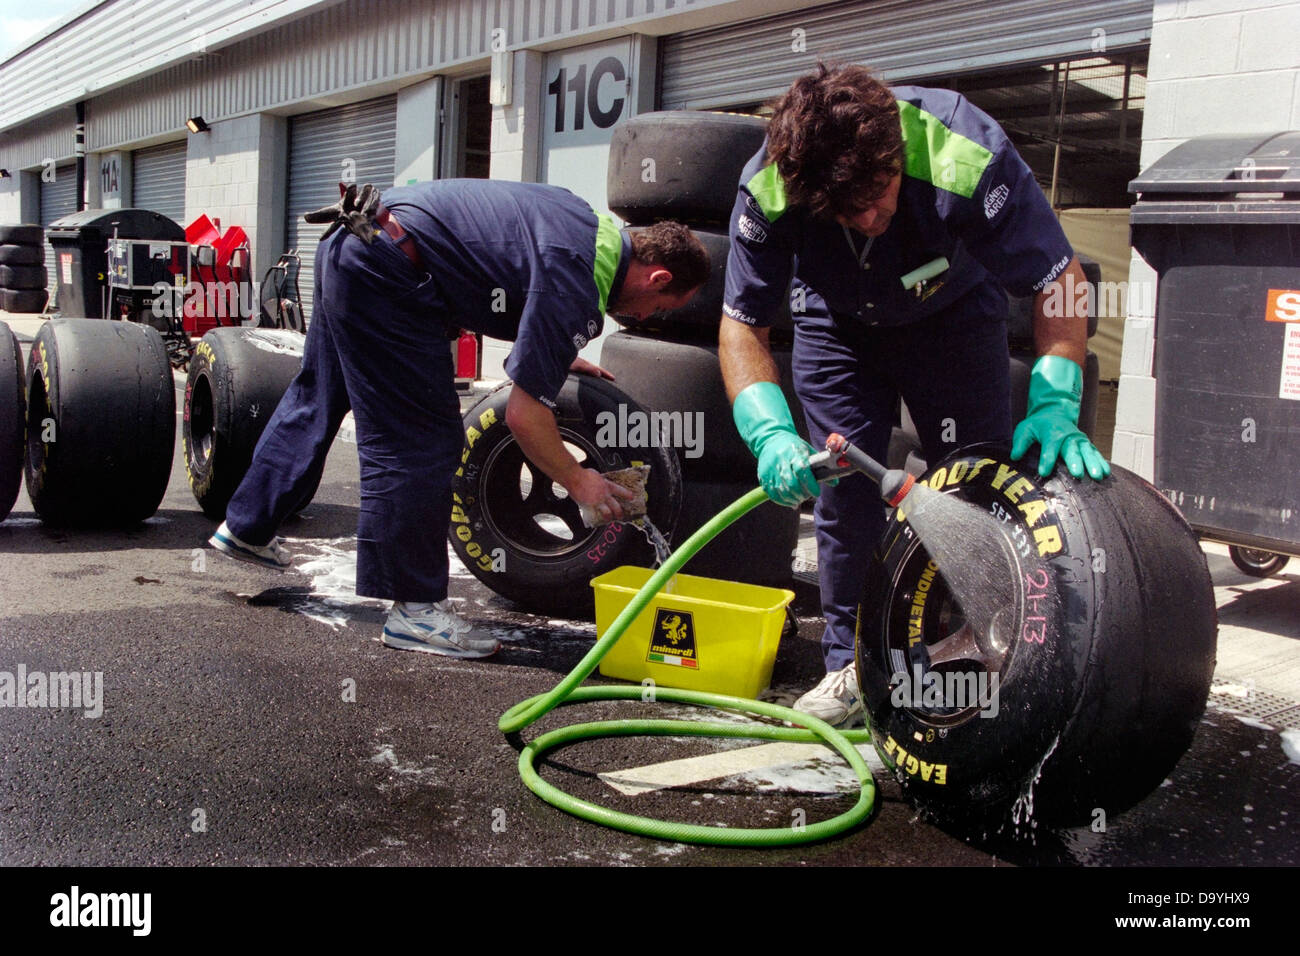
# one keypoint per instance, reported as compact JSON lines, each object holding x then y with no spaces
{"x":842,"y":457}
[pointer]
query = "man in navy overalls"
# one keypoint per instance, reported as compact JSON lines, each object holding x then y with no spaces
{"x":516,"y":261}
{"x":856,"y":187}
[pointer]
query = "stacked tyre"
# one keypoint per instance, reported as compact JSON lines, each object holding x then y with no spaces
{"x":23,"y":278}
{"x":684,"y":166}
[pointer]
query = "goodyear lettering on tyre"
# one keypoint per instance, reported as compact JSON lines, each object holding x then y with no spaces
{"x":1020,"y":492}
{"x":460,"y":523}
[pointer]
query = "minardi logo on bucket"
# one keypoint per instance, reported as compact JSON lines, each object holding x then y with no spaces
{"x":672,"y":640}
{"x":76,"y":909}
{"x":638,"y":429}
{"x":946,"y":690}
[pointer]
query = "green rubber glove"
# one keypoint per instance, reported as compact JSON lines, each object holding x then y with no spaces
{"x":1055,"y":389}
{"x":763,"y":419}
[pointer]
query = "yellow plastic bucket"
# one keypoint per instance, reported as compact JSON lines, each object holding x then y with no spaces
{"x":703,"y":634}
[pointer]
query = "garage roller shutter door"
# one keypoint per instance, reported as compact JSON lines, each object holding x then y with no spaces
{"x":58,"y":199}
{"x":363,"y":135}
{"x":751,"y":62}
{"x":158,"y":180}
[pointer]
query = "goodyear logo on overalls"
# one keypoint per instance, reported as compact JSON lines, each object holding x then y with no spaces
{"x":672,"y":641}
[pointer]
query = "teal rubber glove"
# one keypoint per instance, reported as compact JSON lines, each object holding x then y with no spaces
{"x":764,"y":421}
{"x":1055,"y":388}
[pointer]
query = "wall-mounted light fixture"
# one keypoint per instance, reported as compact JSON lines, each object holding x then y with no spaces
{"x":195,"y":124}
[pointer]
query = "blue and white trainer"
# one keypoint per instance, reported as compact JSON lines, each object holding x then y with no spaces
{"x":836,"y":699}
{"x":435,"y":629}
{"x":273,"y":555}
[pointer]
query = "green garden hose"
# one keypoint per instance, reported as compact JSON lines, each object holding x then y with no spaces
{"x":809,"y":729}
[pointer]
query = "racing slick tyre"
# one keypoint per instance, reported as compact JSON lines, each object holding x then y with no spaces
{"x":682,"y":383}
{"x":680,"y":164}
{"x":519,"y":532}
{"x":25,"y":235}
{"x":236,"y":379}
{"x":1103,"y":652}
{"x":12,"y":254}
{"x":697,"y":321}
{"x":23,"y":300}
{"x":757,"y":549}
{"x":13,"y":417}
{"x":23,"y":277}
{"x":1257,"y":563}
{"x":101,"y":422}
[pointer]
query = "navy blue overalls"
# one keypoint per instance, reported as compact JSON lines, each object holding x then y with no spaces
{"x":520,"y":261}
{"x":862,"y":339}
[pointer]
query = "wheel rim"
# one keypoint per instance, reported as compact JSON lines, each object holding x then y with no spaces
{"x":948,"y":643}
{"x":524,"y":507}
{"x":201,"y":422}
{"x":1260,"y":559}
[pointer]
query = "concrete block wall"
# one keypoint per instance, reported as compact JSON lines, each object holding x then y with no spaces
{"x":1215,"y":67}
{"x":235,"y":172}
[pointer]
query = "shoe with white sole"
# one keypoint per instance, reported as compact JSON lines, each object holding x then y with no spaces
{"x":435,"y":629}
{"x":835,"y":700}
{"x":273,"y":555}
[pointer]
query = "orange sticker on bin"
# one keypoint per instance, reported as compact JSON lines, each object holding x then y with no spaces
{"x":1283,"y":305}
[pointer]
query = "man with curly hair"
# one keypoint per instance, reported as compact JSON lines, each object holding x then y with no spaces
{"x":857,"y":187}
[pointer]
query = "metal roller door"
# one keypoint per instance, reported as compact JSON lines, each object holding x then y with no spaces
{"x":158,"y":180}
{"x":749,"y":63}
{"x":58,"y":199}
{"x":350,"y":143}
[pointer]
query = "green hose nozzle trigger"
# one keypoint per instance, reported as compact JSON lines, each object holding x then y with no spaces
{"x":923,"y":274}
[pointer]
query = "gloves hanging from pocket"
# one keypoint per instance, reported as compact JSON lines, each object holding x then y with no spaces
{"x":355,"y":210}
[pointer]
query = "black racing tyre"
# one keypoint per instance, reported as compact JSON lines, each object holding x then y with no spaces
{"x":13,"y":418}
{"x":1020,"y":309}
{"x":23,"y":277}
{"x":101,"y":422}
{"x":520,"y":534}
{"x":235,"y":380}
{"x":1257,"y":563}
{"x":25,"y":235}
{"x":1103,"y":651}
{"x":15,"y":255}
{"x":680,"y":164}
{"x":757,"y":549}
{"x":23,"y":300}
{"x":683,"y":381}
{"x":698,"y":320}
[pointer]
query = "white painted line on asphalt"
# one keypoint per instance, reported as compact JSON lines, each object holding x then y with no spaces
{"x":727,"y":763}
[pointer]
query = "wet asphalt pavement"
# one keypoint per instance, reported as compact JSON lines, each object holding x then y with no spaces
{"x":251,"y":717}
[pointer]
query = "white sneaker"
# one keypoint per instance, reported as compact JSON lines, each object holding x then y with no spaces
{"x":835,"y":700}
{"x":272,"y":555}
{"x":435,"y":629}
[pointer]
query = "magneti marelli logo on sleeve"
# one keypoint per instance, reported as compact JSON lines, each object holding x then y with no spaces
{"x":672,"y":641}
